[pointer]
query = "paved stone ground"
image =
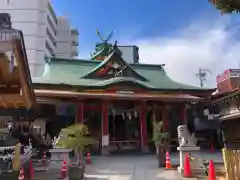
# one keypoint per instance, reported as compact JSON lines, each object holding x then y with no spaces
{"x":128,"y":168}
{"x":138,"y":167}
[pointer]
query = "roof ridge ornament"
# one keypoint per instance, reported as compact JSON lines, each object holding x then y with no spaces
{"x":110,"y":35}
{"x":115,"y":48}
{"x":104,"y":48}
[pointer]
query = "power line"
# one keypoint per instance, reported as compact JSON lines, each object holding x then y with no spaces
{"x":202,"y":74}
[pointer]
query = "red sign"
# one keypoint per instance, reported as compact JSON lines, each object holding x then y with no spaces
{"x":222,"y":77}
{"x":234,"y":72}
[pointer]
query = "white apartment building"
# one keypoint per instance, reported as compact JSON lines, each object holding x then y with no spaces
{"x":38,"y":22}
{"x":67,"y":39}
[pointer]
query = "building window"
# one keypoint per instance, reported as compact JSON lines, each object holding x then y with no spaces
{"x":74,"y":32}
{"x":52,"y":12}
{"x":48,"y":47}
{"x":51,"y":25}
{"x":51,"y":37}
{"x":74,"y":43}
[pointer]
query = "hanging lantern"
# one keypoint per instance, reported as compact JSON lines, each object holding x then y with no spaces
{"x":135,"y":114}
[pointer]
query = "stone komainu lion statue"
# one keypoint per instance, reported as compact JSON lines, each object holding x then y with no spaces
{"x":184,"y":137}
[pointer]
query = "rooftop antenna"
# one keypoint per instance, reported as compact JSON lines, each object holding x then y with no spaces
{"x":202,"y":74}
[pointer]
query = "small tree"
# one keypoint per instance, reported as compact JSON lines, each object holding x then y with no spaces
{"x":75,"y":137}
{"x":161,"y":140}
{"x":226,"y":6}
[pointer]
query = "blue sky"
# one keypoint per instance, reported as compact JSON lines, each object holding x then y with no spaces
{"x":183,"y":34}
{"x":138,"y":17}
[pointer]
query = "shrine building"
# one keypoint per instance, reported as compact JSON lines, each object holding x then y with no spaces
{"x":115,"y":99}
{"x":16,"y":93}
{"x":224,"y":107}
{"x":15,"y":80}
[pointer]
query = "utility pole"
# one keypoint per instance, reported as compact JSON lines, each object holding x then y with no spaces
{"x":201,"y":75}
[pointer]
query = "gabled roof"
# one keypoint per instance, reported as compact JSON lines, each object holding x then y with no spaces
{"x":74,"y":73}
{"x":113,"y":66}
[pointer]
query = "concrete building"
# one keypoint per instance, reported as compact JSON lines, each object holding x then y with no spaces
{"x":67,"y":39}
{"x":38,"y":22}
{"x":130,"y":53}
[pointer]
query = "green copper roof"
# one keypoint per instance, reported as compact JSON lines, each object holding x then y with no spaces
{"x":71,"y":72}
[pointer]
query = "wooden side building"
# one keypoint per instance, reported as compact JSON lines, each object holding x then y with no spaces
{"x":16,"y":86}
{"x":225,"y":107}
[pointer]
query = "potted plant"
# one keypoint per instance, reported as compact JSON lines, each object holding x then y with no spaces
{"x":75,"y":137}
{"x":161,"y":141}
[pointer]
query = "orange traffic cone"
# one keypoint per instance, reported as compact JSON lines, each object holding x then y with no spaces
{"x":187,"y":169}
{"x":31,"y":170}
{"x":21,"y":174}
{"x":168,"y":161}
{"x":88,"y":159}
{"x":211,"y":171}
{"x":64,"y":169}
{"x":44,"y":159}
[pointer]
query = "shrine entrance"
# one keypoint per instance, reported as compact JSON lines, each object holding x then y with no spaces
{"x":124,"y":127}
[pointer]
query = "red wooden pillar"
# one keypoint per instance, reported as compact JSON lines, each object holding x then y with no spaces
{"x":143,"y":126}
{"x":79,"y":113}
{"x":105,"y":128}
{"x":184,"y":115}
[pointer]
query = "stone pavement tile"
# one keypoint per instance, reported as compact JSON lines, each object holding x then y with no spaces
{"x":126,"y":177}
{"x":47,"y":175}
{"x":120,"y":168}
{"x":130,"y":168}
{"x":206,"y":155}
{"x":169,"y":175}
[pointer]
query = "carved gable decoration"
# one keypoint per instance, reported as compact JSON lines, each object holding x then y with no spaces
{"x":114,"y":66}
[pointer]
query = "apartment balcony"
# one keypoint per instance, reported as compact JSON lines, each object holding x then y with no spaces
{"x":74,"y":40}
{"x":74,"y":51}
{"x":74,"y":32}
{"x":74,"y":43}
{"x":74,"y":54}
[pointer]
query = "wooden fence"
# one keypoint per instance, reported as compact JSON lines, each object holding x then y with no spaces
{"x":231,"y":160}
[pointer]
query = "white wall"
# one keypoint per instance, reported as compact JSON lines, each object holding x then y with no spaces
{"x":41,"y":31}
{"x":64,"y":38}
{"x":30,"y":16}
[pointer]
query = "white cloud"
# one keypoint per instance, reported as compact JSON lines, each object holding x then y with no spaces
{"x":203,"y":44}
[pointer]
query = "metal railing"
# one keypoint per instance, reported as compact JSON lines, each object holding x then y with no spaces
{"x":9,"y":35}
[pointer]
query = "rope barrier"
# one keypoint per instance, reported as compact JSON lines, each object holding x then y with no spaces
{"x":198,"y":159}
{"x":203,"y":163}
